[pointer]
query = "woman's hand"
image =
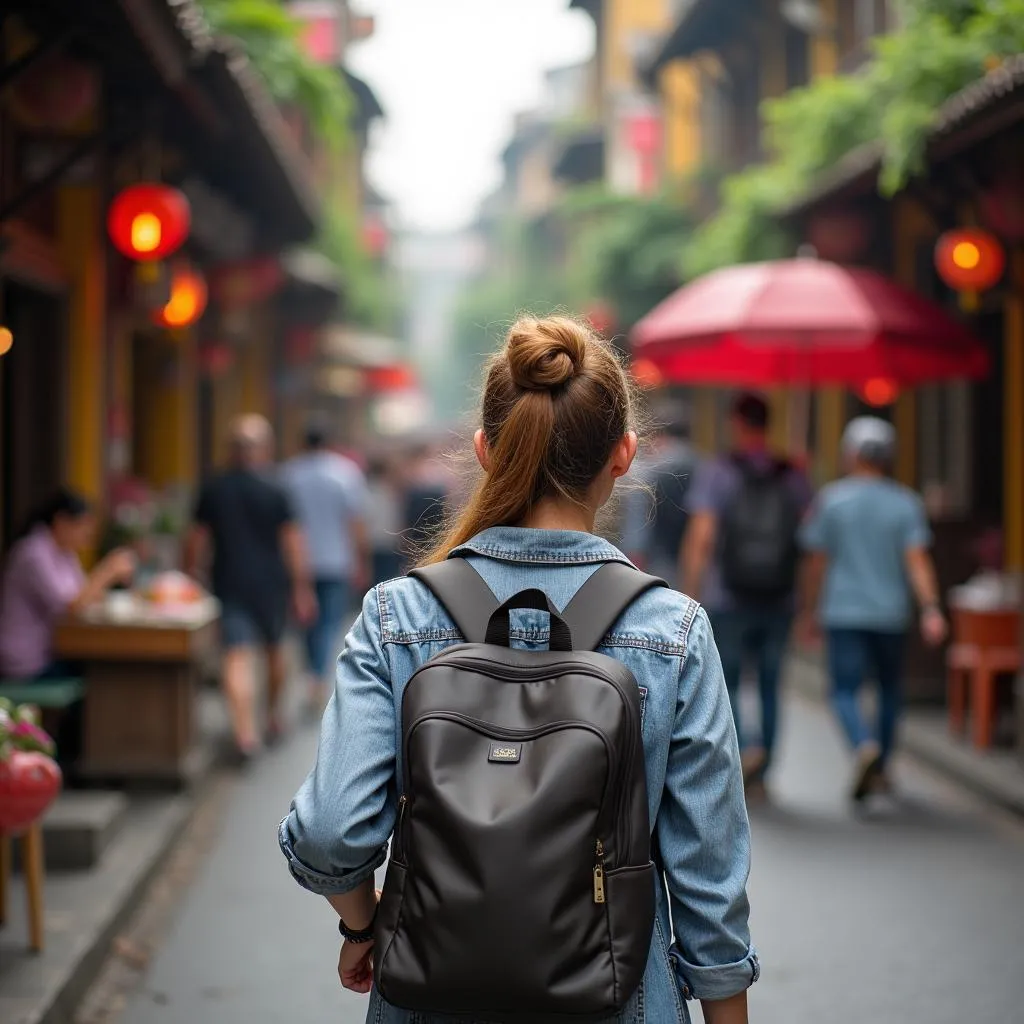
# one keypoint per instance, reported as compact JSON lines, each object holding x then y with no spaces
{"x":119,"y":566}
{"x":355,"y":966}
{"x":355,"y":962}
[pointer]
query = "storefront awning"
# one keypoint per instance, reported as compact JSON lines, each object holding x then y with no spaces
{"x":251,"y":156}
{"x":985,"y":107}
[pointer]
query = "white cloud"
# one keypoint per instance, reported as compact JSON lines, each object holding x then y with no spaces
{"x":450,"y":75}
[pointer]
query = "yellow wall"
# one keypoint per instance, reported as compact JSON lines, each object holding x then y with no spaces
{"x":680,"y":91}
{"x":1013,"y":417}
{"x":81,"y":244}
{"x":622,"y":19}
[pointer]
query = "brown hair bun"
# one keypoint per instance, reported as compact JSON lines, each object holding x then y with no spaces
{"x":546,"y":354}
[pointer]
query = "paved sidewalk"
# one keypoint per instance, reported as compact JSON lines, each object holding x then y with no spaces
{"x":911,"y":913}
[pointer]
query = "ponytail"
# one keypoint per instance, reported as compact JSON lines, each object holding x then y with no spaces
{"x":556,"y":402}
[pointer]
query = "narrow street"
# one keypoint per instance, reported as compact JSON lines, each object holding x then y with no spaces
{"x":913,"y":913}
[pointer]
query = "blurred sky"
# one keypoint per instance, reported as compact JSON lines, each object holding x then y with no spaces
{"x":450,"y":75}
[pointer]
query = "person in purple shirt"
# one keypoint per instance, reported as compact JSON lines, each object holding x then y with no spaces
{"x":740,"y":559}
{"x":43,"y":580}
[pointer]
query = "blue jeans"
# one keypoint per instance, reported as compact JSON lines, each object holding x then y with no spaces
{"x":850,"y":654}
{"x":760,"y":634}
{"x":332,"y":604}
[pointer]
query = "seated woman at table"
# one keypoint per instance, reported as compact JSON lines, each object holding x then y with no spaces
{"x":43,"y":580}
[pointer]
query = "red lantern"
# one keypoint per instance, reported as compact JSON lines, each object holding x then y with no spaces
{"x":188,"y":299}
{"x":879,"y":391}
{"x":646,"y":373}
{"x":969,"y":260}
{"x":391,"y":378}
{"x":149,"y":222}
{"x":57,"y":93}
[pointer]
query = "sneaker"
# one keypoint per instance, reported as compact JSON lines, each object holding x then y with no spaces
{"x":869,"y":766}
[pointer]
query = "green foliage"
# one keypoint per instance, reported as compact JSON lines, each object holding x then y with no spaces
{"x":271,"y":38}
{"x":627,"y":248}
{"x":369,"y":297}
{"x":944,"y":45}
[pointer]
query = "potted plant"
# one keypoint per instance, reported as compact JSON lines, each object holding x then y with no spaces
{"x":29,"y":777}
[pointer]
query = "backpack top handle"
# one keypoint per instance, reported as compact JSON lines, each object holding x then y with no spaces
{"x":499,"y":629}
{"x":589,"y":616}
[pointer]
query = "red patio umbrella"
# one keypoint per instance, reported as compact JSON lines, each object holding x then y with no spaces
{"x":804,"y":321}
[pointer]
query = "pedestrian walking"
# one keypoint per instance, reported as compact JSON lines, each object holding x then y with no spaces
{"x":259,"y":560}
{"x":385,"y":519}
{"x":523,"y":788}
{"x":656,"y":511}
{"x":427,"y":487}
{"x":740,"y":559}
{"x":867,"y":542}
{"x":329,"y":495}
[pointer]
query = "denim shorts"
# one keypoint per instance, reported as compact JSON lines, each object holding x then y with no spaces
{"x":252,"y":627}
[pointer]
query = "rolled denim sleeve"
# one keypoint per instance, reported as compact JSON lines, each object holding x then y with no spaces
{"x":703,"y":832}
{"x":336,"y":834}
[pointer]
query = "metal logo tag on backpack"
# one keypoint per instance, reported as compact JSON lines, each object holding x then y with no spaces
{"x":503,"y":753}
{"x":528,"y":894}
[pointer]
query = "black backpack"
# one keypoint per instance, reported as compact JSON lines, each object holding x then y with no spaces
{"x":520,"y":885}
{"x":671,"y":483}
{"x":758,"y":550}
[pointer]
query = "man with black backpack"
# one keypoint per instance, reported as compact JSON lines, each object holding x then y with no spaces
{"x":741,"y":558}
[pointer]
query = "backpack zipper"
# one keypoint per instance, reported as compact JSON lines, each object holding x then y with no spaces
{"x":599,"y":874}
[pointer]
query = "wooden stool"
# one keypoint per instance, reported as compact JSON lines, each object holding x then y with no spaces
{"x":32,"y":869}
{"x":984,"y":647}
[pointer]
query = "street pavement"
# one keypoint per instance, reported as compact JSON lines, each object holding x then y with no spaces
{"x":913,"y":912}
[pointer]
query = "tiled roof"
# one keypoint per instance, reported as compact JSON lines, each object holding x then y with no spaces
{"x":860,"y":167}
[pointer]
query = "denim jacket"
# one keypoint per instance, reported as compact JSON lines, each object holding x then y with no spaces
{"x":336,"y":834}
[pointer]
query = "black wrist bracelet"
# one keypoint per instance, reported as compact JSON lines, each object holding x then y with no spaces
{"x":357,"y":938}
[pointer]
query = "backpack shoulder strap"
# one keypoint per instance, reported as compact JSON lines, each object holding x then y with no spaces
{"x":463,"y":593}
{"x":600,"y":602}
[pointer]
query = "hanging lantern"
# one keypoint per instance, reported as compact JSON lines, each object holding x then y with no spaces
{"x":188,"y":299}
{"x":969,"y":260}
{"x":149,"y":222}
{"x":879,"y":391}
{"x":391,"y":378}
{"x":58,"y":92}
{"x":6,"y":340}
{"x":646,"y":374}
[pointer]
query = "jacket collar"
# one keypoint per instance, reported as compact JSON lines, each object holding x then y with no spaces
{"x":541,"y":547}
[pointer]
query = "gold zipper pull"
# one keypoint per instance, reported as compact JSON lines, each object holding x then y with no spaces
{"x":599,"y":874}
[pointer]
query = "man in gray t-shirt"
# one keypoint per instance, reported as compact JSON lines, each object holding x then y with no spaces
{"x":867,"y":541}
{"x":329,"y":495}
{"x":739,"y":561}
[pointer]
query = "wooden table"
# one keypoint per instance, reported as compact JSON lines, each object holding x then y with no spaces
{"x":140,"y":677}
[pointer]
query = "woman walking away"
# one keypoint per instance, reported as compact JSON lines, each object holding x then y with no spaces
{"x":526,"y":782}
{"x":867,"y":540}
